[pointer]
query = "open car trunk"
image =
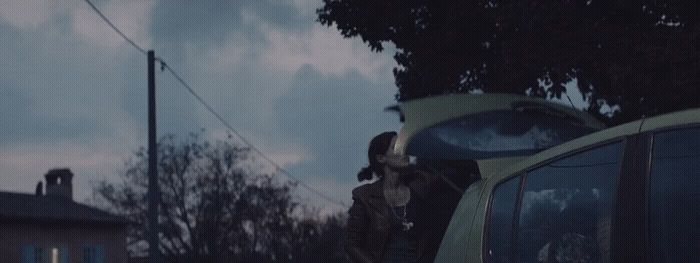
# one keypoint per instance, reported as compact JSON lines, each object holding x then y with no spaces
{"x":486,"y":126}
{"x":464,"y":138}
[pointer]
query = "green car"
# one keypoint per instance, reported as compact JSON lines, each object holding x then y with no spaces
{"x":554,"y":185}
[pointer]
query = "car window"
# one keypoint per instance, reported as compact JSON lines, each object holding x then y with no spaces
{"x":494,"y":134}
{"x":674,"y":196}
{"x":565,"y":214}
{"x":500,"y":224}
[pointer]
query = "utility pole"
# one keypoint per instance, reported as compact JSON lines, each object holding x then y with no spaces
{"x":153,"y":189}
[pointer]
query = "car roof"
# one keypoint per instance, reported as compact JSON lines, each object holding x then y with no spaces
{"x":607,"y":135}
{"x":423,"y":113}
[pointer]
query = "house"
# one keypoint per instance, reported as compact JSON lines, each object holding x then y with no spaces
{"x":52,"y":228}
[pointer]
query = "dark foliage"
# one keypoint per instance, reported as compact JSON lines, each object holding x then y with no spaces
{"x":218,"y":207}
{"x":641,"y":55}
{"x":323,"y":240}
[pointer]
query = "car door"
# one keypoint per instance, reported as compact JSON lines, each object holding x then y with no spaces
{"x":673,"y":200}
{"x":659,"y":197}
{"x":559,"y":211}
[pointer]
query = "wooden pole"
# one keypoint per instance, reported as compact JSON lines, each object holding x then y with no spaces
{"x":153,"y":189}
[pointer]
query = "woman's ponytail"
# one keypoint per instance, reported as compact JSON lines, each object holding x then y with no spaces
{"x":378,"y":146}
{"x":365,"y":174}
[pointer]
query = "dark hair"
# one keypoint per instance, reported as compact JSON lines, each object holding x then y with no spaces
{"x":378,"y":146}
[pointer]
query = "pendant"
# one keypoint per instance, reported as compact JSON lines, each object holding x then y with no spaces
{"x":407,"y":225}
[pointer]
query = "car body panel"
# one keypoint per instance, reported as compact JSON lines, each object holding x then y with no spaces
{"x":488,"y":167}
{"x":472,"y":242}
{"x":453,"y":247}
{"x":671,"y":119}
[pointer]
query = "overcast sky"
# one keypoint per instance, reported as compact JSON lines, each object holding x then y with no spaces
{"x":74,"y":93}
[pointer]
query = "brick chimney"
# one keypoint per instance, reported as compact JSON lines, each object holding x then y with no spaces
{"x":59,"y":183}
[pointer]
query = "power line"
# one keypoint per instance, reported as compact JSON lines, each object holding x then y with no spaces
{"x":218,"y":116}
{"x":115,"y":28}
{"x":243,"y":139}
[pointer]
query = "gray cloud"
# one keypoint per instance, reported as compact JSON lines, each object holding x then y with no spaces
{"x":42,"y":99}
{"x":335,"y":116}
{"x":204,"y":24}
{"x":74,"y":98}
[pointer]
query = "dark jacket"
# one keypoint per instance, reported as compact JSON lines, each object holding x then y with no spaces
{"x":369,"y":219}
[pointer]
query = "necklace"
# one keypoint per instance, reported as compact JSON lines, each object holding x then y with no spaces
{"x":405,"y":225}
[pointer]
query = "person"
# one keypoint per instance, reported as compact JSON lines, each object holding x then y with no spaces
{"x":385,"y":223}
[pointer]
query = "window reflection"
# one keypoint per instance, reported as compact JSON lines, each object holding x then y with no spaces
{"x":565,"y":215}
{"x":494,"y":134}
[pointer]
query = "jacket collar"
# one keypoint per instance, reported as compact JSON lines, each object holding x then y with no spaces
{"x":417,"y":184}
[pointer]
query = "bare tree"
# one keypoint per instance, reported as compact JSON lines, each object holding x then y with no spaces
{"x":217,"y":205}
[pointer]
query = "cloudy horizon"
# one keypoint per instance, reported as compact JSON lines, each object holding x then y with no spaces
{"x":74,"y":92}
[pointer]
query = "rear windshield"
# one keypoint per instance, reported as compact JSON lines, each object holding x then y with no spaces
{"x":495,"y":134}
